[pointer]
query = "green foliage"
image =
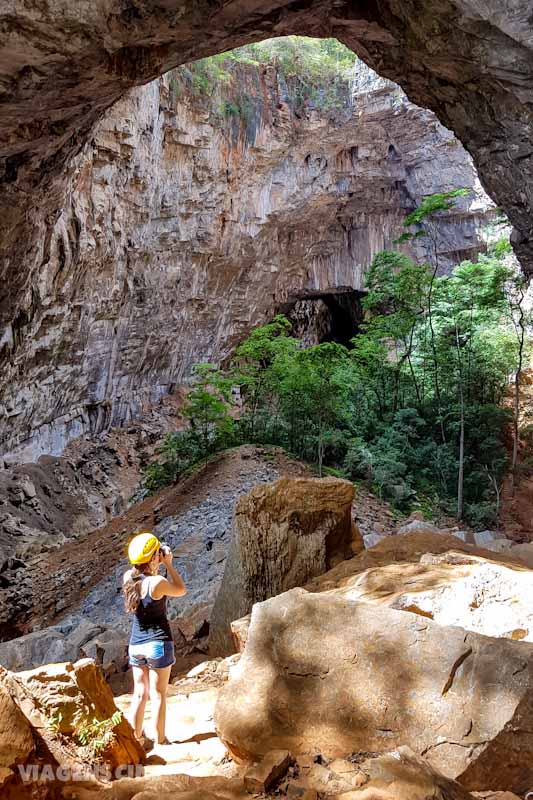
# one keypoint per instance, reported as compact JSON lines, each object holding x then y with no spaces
{"x":229,"y":108}
{"x":358,"y":461}
{"x":211,"y":428}
{"x":207,"y":408}
{"x":414,"y":408}
{"x":432,"y":204}
{"x":316,"y":72}
{"x":178,"y":452}
{"x":241,"y":106}
{"x":53,"y":722}
{"x":96,"y":734}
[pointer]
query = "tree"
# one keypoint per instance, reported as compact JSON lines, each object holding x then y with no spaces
{"x":378,"y":411}
{"x":255,"y":368}
{"x":469,"y":306}
{"x":516,"y":289}
{"x":398,"y":291}
{"x":425,"y":219}
{"x":320,"y":366}
{"x":207,"y":406}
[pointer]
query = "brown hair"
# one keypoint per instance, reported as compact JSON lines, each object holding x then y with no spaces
{"x":132,"y":587}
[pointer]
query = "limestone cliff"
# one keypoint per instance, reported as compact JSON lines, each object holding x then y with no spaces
{"x":186,"y":224}
{"x":63,"y":64}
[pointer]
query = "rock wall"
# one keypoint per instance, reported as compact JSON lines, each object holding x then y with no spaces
{"x":62,"y":65}
{"x":183,"y":227}
{"x":49,"y":509}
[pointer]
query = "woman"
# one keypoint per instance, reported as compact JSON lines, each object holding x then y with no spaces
{"x":151,"y":648}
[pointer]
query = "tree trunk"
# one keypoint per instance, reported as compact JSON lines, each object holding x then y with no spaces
{"x":518,"y":375}
{"x":460,"y":477}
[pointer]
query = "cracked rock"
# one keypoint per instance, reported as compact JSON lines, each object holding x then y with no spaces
{"x":325,"y":673}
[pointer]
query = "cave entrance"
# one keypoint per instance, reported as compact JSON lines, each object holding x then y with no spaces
{"x":327,"y":316}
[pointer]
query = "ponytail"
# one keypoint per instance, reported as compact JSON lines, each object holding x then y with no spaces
{"x":132,"y":590}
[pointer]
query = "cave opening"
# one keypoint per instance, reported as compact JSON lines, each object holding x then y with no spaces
{"x":328,"y":316}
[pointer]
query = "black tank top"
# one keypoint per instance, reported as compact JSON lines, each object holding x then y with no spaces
{"x":150,"y":622}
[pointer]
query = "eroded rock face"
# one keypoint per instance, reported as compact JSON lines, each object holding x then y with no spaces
{"x":182,"y":228}
{"x":47,"y":510}
{"x":342,"y":677}
{"x":284,"y":533}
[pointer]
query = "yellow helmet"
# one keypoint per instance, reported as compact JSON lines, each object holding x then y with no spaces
{"x":142,"y":547}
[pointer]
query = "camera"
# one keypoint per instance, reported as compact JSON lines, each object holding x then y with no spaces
{"x":165,"y":549}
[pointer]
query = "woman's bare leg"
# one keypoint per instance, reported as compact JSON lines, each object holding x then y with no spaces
{"x":138,"y":700}
{"x":158,"y":700}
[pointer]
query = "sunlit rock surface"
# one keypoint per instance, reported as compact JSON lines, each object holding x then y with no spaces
{"x":453,"y":588}
{"x":327,"y":674}
{"x":183,"y":228}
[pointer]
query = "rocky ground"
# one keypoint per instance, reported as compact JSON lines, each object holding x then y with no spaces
{"x":374,"y":700}
{"x":50,"y":508}
{"x":84,"y":582}
{"x":195,"y":518}
{"x":198,"y":532}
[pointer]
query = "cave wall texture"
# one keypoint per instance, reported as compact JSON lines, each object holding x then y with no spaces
{"x":75,"y":290}
{"x":186,"y":226}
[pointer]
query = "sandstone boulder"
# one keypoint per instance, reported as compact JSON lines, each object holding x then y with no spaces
{"x":372,"y":539}
{"x":496,"y":796}
{"x":161,"y":787}
{"x":68,"y":698}
{"x":325,"y":673}
{"x":417,"y":524}
{"x":488,"y":594}
{"x":502,"y":546}
{"x":420,"y":526}
{"x":16,"y":738}
{"x":401,"y":549}
{"x":54,"y":644}
{"x":523,"y":552}
{"x":263,"y":776}
{"x":485,"y":538}
{"x":109,"y":649}
{"x":284,"y":533}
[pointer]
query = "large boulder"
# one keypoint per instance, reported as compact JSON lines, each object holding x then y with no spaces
{"x":469,"y":587}
{"x":401,"y":776}
{"x":284,"y":534}
{"x":63,"y":700}
{"x":523,"y":552}
{"x":401,"y":549}
{"x":321,"y":672}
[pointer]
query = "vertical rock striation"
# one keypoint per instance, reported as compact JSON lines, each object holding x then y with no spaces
{"x":185,"y":225}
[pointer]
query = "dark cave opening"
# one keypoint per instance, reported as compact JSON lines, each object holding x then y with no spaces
{"x":327,"y":316}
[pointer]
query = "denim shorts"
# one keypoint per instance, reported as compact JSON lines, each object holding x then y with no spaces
{"x":155,"y":654}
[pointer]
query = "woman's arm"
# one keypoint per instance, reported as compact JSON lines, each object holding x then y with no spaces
{"x":172,"y":586}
